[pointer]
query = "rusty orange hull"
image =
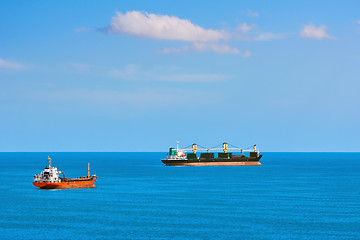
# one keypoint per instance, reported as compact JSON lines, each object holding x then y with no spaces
{"x":69,"y":183}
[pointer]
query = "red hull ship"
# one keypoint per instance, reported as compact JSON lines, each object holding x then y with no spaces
{"x":50,"y":178}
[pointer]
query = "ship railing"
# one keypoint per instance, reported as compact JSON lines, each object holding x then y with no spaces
{"x":175,"y":158}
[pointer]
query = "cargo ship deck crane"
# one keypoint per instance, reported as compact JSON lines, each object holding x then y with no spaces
{"x":225,"y":148}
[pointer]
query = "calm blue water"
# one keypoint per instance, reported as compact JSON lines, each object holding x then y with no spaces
{"x":291,"y":196}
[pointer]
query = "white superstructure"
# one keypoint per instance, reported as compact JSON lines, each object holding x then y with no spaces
{"x":50,"y":174}
{"x":178,"y":154}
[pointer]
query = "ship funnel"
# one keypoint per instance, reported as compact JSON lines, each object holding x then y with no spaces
{"x":255,"y":148}
{"x":88,"y":169}
{"x":194,"y":148}
{"x":225,"y":147}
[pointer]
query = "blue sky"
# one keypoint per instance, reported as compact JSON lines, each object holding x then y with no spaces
{"x":140,"y":75}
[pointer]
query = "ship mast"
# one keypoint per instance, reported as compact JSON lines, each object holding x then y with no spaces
{"x":49,"y":159}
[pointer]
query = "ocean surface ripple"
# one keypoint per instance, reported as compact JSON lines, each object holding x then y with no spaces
{"x":291,"y":196}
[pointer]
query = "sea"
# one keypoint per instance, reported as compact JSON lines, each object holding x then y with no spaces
{"x":290,"y":196}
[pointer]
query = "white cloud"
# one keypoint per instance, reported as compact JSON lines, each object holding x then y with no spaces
{"x":218,"y":48}
{"x":267,"y":36}
{"x":205,"y":47}
{"x":311,"y":31}
{"x":202,"y":78}
{"x":76,"y":68}
{"x":251,"y":13}
{"x":180,"y":50}
{"x":133,"y":72}
{"x":149,"y":25}
{"x":246,"y":32}
{"x":129,"y":72}
{"x":127,"y":102}
{"x":246,"y":54}
{"x":82,"y":29}
{"x":165,"y":27}
{"x":5,"y":64}
{"x":244,"y":27}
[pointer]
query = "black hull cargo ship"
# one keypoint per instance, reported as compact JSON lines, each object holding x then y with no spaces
{"x":178,"y":157}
